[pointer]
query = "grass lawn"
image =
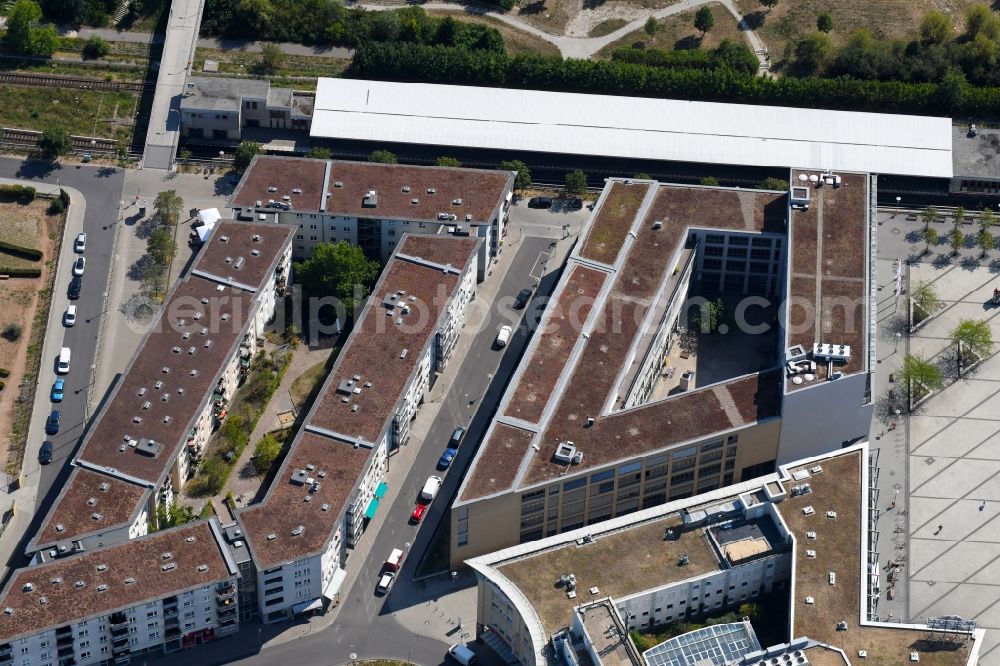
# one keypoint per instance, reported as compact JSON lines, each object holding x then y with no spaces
{"x":22,"y":228}
{"x":788,"y":22}
{"x":242,"y":62}
{"x":517,"y":41}
{"x":83,"y":112}
{"x":555,"y":15}
{"x":307,"y":382}
{"x":606,"y":27}
{"x":678,"y":32}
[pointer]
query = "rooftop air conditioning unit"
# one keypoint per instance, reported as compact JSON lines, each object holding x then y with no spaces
{"x":565,"y":453}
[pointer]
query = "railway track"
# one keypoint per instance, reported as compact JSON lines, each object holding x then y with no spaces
{"x":29,"y":138}
{"x":48,"y":80}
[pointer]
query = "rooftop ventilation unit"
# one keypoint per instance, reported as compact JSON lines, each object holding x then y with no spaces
{"x":169,"y":566}
{"x":142,"y":391}
{"x":337,"y":183}
{"x":78,"y":584}
{"x":657,"y":224}
{"x":28,"y":587}
{"x":255,"y":252}
{"x":202,"y":567}
{"x":56,"y":580}
{"x":91,"y":501}
{"x":102,"y":587}
{"x":239,"y":263}
{"x":403,"y":353}
{"x":271,"y":536}
{"x":683,"y":561}
{"x":414,"y":201}
{"x":299,"y":477}
{"x":296,"y":190}
{"x":95,"y":516}
{"x":255,"y":238}
{"x":130,"y":581}
{"x":60,"y":527}
{"x":286,"y":198}
{"x":44,"y":600}
{"x":298,"y":530}
{"x":191,"y":539}
{"x":272,"y":188}
{"x":565,"y":453}
{"x":456,"y":202}
{"x":223,"y":239}
{"x":406,"y":188}
{"x":324,"y":507}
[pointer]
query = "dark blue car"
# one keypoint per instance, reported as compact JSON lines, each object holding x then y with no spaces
{"x":52,"y":425}
{"x":449,"y":453}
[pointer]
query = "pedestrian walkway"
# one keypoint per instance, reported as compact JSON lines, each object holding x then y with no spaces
{"x":175,"y":66}
{"x":222,"y":44}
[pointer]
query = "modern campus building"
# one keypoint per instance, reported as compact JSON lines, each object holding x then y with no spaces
{"x":373,"y":205}
{"x":173,"y":393}
{"x":162,"y":592}
{"x":216,"y":109}
{"x":334,"y":475}
{"x":617,"y":407}
{"x":801,"y":544}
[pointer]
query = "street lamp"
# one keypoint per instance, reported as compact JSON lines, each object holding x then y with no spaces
{"x":898,"y":338}
{"x":898,"y":199}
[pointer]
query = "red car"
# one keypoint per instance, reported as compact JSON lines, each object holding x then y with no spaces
{"x":418,"y":513}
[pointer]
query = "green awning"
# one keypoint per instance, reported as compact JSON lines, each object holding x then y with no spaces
{"x":372,"y":508}
{"x":380,"y":491}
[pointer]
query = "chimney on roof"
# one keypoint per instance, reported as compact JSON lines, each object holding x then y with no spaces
{"x":370,"y":200}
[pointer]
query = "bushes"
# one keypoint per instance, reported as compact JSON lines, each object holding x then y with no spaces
{"x":413,"y":62}
{"x":22,"y":272}
{"x":265,"y":453}
{"x":22,"y":194}
{"x":95,"y":48}
{"x":11,"y":332}
{"x":328,"y":22}
{"x":4,"y":372}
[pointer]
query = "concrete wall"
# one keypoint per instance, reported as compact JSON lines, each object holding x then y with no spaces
{"x":496,"y":612}
{"x":208,"y":121}
{"x":824,"y":418}
{"x":288,"y":585}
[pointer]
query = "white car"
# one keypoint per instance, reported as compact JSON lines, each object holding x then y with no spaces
{"x":430,"y":489}
{"x":62,"y":364}
{"x":79,"y":265}
{"x":385,"y":582}
{"x":80,"y":245}
{"x":69,"y":319}
{"x":503,"y":336}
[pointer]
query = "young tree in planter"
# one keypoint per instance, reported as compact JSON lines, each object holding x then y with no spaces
{"x":956,"y":239}
{"x":931,"y":238}
{"x":383,"y":157}
{"x":168,"y":205}
{"x":576,"y":183}
{"x":925,"y":297}
{"x":959,"y":217}
{"x":985,"y":241}
{"x":987,"y":219}
{"x":973,"y":336}
{"x":920,"y":374}
{"x":929,"y":216}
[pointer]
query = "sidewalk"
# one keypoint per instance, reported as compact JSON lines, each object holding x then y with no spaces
{"x":247,"y":46}
{"x":439,"y":624}
{"x":24,"y":498}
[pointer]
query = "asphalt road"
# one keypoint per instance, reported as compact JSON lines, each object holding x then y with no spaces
{"x":365,"y":624}
{"x":102,"y":189}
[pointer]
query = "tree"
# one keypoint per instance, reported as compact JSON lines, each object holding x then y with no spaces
{"x":95,"y":48}
{"x":383,"y":157}
{"x":956,"y":239}
{"x":168,"y":205}
{"x":161,"y":246}
{"x":824,"y":22}
{"x":704,"y":20}
{"x":812,"y":53}
{"x":770,"y":4}
{"x":921,"y":374}
{"x":448,"y":162}
{"x":985,"y":241}
{"x":707,"y":318}
{"x":987,"y":218}
{"x":973,"y":337}
{"x":265,"y":453}
{"x":21,"y":20}
{"x":214,"y":473}
{"x":234,"y":432}
{"x":925,"y":297}
{"x":959,"y":217}
{"x":340,"y":270}
{"x":929,"y":215}
{"x":709,"y":180}
{"x":931,"y":238}
{"x":54,"y":142}
{"x":245,"y":152}
{"x":772,"y":183}
{"x":651,"y":26}
{"x":11,"y":332}
{"x":576,"y":183}
{"x":936,"y":28}
{"x":272,"y":58}
{"x":318,"y":153}
{"x":979,"y":20}
{"x":643,"y":176}
{"x":522,"y":180}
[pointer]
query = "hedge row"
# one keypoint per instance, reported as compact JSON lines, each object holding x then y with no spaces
{"x":736,"y":56}
{"x":22,"y":271}
{"x":19,"y":193}
{"x":26,"y":252}
{"x":415,"y":62}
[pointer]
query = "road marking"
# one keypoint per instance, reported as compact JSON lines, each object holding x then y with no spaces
{"x":540,"y":262}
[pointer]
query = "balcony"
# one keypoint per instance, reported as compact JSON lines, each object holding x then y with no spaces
{"x":68,"y":661}
{"x":170,"y":612}
{"x":225,"y":591}
{"x":123,"y":659}
{"x":5,"y":649}
{"x":66,"y":651}
{"x":64,"y":639}
{"x":66,"y":629}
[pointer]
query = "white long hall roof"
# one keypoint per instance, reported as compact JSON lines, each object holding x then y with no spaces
{"x":631,"y":127}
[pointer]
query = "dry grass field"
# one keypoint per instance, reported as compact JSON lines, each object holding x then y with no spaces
{"x":678,"y":32}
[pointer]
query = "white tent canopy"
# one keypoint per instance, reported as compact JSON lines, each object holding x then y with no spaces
{"x":209,"y":216}
{"x":631,"y":127}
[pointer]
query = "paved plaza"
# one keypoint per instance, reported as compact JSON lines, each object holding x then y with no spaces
{"x":944,"y":459}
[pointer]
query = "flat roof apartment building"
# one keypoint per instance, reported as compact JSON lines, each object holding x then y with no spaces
{"x":173,"y":393}
{"x":373,"y":205}
{"x":618,"y":406}
{"x":808,"y":532}
{"x":330,"y":484}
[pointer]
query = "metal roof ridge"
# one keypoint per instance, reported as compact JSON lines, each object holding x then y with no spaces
{"x":224,"y":281}
{"x":333,"y":434}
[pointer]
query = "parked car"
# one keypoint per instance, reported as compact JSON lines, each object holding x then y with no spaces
{"x":522,"y":299}
{"x":540,"y":202}
{"x":80,"y":245}
{"x":69,"y":319}
{"x":79,"y":265}
{"x":45,"y":453}
{"x":575,"y":203}
{"x":75,"y":285}
{"x":52,"y":425}
{"x":418,"y":513}
{"x":503,"y":336}
{"x":430,"y":489}
{"x":62,"y":364}
{"x":462,"y":655}
{"x":452,"y":449}
{"x":57,"y":389}
{"x":385,"y":581}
